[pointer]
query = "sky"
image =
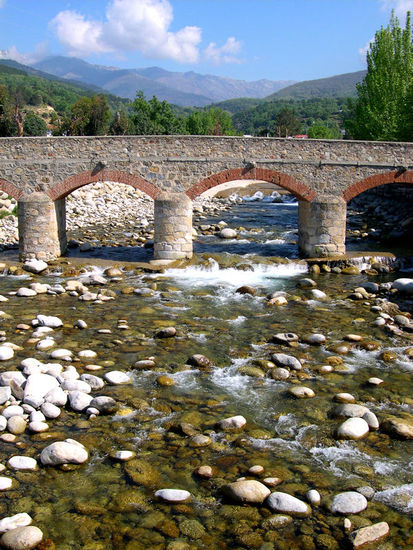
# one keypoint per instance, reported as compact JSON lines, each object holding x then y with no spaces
{"x":243,"y":39}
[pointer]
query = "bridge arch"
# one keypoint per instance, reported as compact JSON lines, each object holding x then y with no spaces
{"x":64,"y":188}
{"x":395,"y":176}
{"x":10,"y":189}
{"x":300,"y":190}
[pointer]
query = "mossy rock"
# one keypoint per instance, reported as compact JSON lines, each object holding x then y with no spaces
{"x":141,"y":472}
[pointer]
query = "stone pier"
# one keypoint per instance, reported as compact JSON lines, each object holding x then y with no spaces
{"x":42,"y":227}
{"x":173,"y":226}
{"x":322,"y":227}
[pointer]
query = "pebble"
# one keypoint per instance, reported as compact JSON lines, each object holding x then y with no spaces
{"x":12,"y":410}
{"x":5,"y":483}
{"x":24,"y":292}
{"x":173,"y":495}
{"x":288,"y":361}
{"x":116,"y":377}
{"x":285,"y":337}
{"x":287,"y":504}
{"x":233,"y":423}
{"x":22,"y":538}
{"x":344,"y":398}
{"x":353,"y":428}
{"x":272,"y":481}
{"x":168,"y":332}
{"x":16,"y":425}
{"x":49,"y":321}
{"x":256,"y":470}
{"x":61,"y":353}
{"x":50,"y":411}
{"x":313,"y":497}
{"x":349,"y":502}
{"x":22,"y":463}
{"x":64,"y":452}
{"x":315,"y":339}
{"x":301,"y":392}
{"x":369,"y":534}
{"x":123,"y":456}
{"x":374,"y":381}
{"x":38,"y":427}
{"x":6,"y":353}
{"x":248,"y":490}
{"x":204,"y":471}
{"x":79,"y":400}
{"x":12,"y":522}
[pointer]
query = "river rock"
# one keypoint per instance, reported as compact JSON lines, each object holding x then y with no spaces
{"x":301,"y":392}
{"x":248,"y":490}
{"x":5,"y":483}
{"x":288,"y":361}
{"x":5,"y":394}
{"x":35,"y":266}
{"x":12,"y":410}
{"x":12,"y":522}
{"x":22,"y":538}
{"x":64,"y":452}
{"x":22,"y":463}
{"x":344,"y":398}
{"x":306,"y":283}
{"x":76,"y":385}
{"x":61,"y":353}
{"x":398,"y":427}
{"x":200,"y":361}
{"x":277,"y":301}
{"x":57,"y":397}
{"x":350,"y":410}
{"x":24,"y":292}
{"x":49,"y":321}
{"x":353,"y":428}
{"x":349,"y":502}
{"x":280,"y":373}
{"x":79,"y":400}
{"x":16,"y":425}
{"x":285,"y":338}
{"x":232,"y":423}
{"x":369,"y":534}
{"x":245,"y":289}
{"x":6,"y":353}
{"x":287,"y":504}
{"x":315,"y":339}
{"x":40,"y":385}
{"x":318,"y":294}
{"x":104,"y":404}
{"x":38,"y":427}
{"x":3,"y":423}
{"x":371,"y":420}
{"x":94,"y":382}
{"x":116,"y":377}
{"x":227,"y":233}
{"x":313,"y":497}
{"x":168,"y":332}
{"x":403,"y":285}
{"x":173,"y":495}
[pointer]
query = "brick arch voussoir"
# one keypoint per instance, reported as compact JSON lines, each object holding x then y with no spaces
{"x":64,"y":188}
{"x":10,"y":189}
{"x":396,"y":176}
{"x":300,"y":190}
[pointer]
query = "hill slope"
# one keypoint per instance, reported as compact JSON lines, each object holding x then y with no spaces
{"x":343,"y":85}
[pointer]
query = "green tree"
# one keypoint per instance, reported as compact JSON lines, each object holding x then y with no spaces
{"x":141,"y":118}
{"x":321,"y":130}
{"x":210,"y":122}
{"x":377,"y":113}
{"x":286,"y":123}
{"x":89,"y":116}
{"x":34,"y":125}
{"x":120,"y":124}
{"x":7,"y":125}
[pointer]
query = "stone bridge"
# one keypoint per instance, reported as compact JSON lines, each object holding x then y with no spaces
{"x":323,"y":174}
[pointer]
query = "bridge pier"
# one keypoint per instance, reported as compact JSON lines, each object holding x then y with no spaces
{"x":322,"y":227}
{"x":173,"y":226}
{"x":42,"y":227}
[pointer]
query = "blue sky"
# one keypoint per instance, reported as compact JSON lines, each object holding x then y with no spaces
{"x":245,"y":39}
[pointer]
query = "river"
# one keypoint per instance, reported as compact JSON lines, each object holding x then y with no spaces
{"x":110,"y":504}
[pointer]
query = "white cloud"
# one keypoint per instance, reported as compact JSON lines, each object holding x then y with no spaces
{"x":400,"y":7}
{"x":363,"y":51}
{"x":130,"y":25}
{"x":40,"y":52}
{"x":225,"y":54}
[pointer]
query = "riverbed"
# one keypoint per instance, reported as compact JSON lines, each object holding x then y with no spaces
{"x":171,"y":399}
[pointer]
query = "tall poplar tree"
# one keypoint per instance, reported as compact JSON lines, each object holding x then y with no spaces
{"x":379,"y":111}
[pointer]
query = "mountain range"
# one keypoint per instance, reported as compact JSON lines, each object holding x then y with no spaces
{"x":184,"y":89}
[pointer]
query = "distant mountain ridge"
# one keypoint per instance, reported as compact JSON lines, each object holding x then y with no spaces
{"x":342,"y":85}
{"x":184,"y":89}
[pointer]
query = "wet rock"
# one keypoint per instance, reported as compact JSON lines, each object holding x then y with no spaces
{"x":349,"y":502}
{"x":369,"y":534}
{"x":200,"y":440}
{"x":248,"y":370}
{"x":22,"y":463}
{"x":315,"y":339}
{"x":5,"y":483}
{"x":12,"y":522}
{"x":6,"y":353}
{"x":301,"y":392}
{"x":200,"y":361}
{"x":353,"y":428}
{"x":288,"y":361}
{"x":277,"y":301}
{"x":285,"y":338}
{"x":350,"y":410}
{"x":12,"y":410}
{"x":35,"y":266}
{"x":227,"y":233}
{"x":16,"y":425}
{"x":344,"y":398}
{"x":371,"y":420}
{"x":93,"y":381}
{"x":173,"y":495}
{"x":22,"y":538}
{"x":104,"y":404}
{"x":318,"y":294}
{"x":401,"y":428}
{"x":366,"y":491}
{"x":246,"y":290}
{"x":280,"y":374}
{"x":403,"y":285}
{"x":49,"y":321}
{"x":144,"y":364}
{"x":248,"y":490}
{"x":192,"y":528}
{"x":79,"y":400}
{"x":168,"y":332}
{"x":313,"y":497}
{"x":306,"y":283}
{"x":287,"y":504}
{"x":24,"y":292}
{"x":204,"y":471}
{"x":374,"y":381}
{"x":64,"y":452}
{"x":116,"y":377}
{"x":278,"y":521}
{"x":232,"y":423}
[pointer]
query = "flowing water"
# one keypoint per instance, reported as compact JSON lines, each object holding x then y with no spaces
{"x":106,"y":504}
